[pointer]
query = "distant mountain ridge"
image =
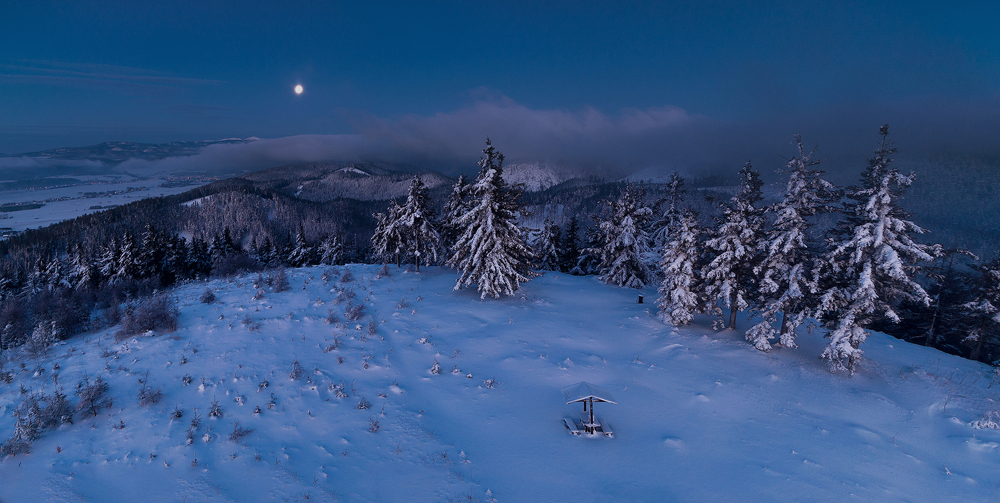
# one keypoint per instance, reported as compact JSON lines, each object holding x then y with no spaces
{"x":116,"y":152}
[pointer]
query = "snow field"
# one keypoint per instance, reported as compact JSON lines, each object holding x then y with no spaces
{"x":701,"y":415}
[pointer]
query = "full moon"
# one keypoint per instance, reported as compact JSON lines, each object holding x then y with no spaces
{"x":298,"y":89}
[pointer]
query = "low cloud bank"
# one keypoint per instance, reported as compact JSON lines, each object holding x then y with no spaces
{"x":596,"y":142}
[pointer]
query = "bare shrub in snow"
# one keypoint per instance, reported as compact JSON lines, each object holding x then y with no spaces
{"x":177,"y":413}
{"x":263,"y":385}
{"x":239,"y":432}
{"x":363,"y":404}
{"x":436,"y":368}
{"x":207,"y":297}
{"x":347,"y":276}
{"x":331,"y":317}
{"x":158,"y":313}
{"x":373,"y":424}
{"x":259,"y":294}
{"x":403,"y":303}
{"x":186,"y":380}
{"x":93,"y":395}
{"x":372,"y":327}
{"x":57,"y":411}
{"x":384,"y":271}
{"x":490,"y":383}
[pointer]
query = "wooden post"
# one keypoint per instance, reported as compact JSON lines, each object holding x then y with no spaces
{"x":592,"y":414}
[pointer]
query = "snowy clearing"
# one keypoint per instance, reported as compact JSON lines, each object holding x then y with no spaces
{"x":701,"y":415}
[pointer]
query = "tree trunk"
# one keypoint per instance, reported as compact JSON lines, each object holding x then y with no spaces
{"x":732,"y":304}
{"x":784,"y":322}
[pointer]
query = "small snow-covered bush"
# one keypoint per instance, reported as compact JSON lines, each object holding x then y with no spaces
{"x":373,"y":424}
{"x":490,"y":383}
{"x":44,"y":335}
{"x":207,"y":297}
{"x":331,"y":317}
{"x":990,"y":420}
{"x":239,"y":432}
{"x":158,"y":313}
{"x":363,"y":404}
{"x":147,"y":394}
{"x":250,"y":324}
{"x":279,"y":281}
{"x":57,"y":411}
{"x":177,"y":413}
{"x":215,"y":410}
{"x":436,"y":368}
{"x":297,"y":371}
{"x":384,"y":271}
{"x":93,"y":395}
{"x":354,"y":312}
{"x":347,"y":276}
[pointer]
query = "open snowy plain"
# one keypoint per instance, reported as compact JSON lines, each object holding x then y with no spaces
{"x":701,"y":415}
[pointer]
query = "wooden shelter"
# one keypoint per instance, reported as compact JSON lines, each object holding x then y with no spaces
{"x":589,"y":393}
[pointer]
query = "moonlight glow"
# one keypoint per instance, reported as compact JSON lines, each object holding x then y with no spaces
{"x":298,"y":89}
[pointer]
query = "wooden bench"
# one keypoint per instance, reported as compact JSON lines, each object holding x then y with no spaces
{"x":571,"y":426}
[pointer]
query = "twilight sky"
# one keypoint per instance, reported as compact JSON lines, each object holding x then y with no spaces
{"x":677,"y":84}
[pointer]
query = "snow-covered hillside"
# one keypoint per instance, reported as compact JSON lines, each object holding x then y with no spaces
{"x":701,"y":416}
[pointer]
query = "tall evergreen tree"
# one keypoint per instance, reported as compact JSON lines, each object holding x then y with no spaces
{"x":547,"y":247}
{"x":671,"y":205}
{"x":625,"y":240}
{"x":200,"y":258}
{"x":418,"y":221}
{"x":569,"y":253}
{"x":108,"y":261}
{"x":589,"y":261}
{"x":490,"y":250}
{"x":984,"y":312}
{"x":787,"y":257}
{"x":728,"y":278}
{"x":388,"y":240}
{"x":457,"y":205}
{"x":330,"y":250}
{"x":679,"y":299}
{"x":301,"y":254}
{"x":872,"y":252}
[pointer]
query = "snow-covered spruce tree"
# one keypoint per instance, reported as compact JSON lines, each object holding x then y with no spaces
{"x":734,"y":247}
{"x":107,"y":263}
{"x":671,"y":205}
{"x":456,"y":206}
{"x":301,"y":254}
{"x":417,"y":219}
{"x":679,"y":299}
{"x":872,"y":254}
{"x":569,"y":253}
{"x":625,"y":241}
{"x":388,"y":241}
{"x":490,"y":250}
{"x":783,"y":280}
{"x":330,"y":250}
{"x":547,"y":246}
{"x":984,"y":311}
{"x":81,"y":274}
{"x":589,"y":261}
